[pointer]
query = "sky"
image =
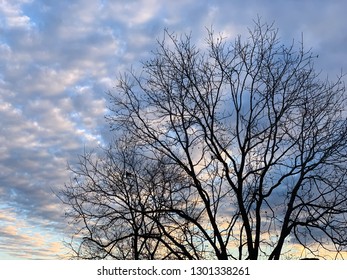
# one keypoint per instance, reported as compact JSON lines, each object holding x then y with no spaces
{"x":59,"y":58}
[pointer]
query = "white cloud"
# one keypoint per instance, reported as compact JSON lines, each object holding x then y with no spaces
{"x":134,"y":13}
{"x":20,"y":239}
{"x":14,"y":18}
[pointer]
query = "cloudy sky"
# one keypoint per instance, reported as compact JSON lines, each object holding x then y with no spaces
{"x":58,"y":58}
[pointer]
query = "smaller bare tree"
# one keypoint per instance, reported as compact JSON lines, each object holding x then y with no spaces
{"x":125,"y":205}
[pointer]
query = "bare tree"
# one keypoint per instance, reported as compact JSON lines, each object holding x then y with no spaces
{"x":118,"y":202}
{"x":258,"y":140}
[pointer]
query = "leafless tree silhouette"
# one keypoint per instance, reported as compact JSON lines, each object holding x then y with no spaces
{"x":236,"y":150}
